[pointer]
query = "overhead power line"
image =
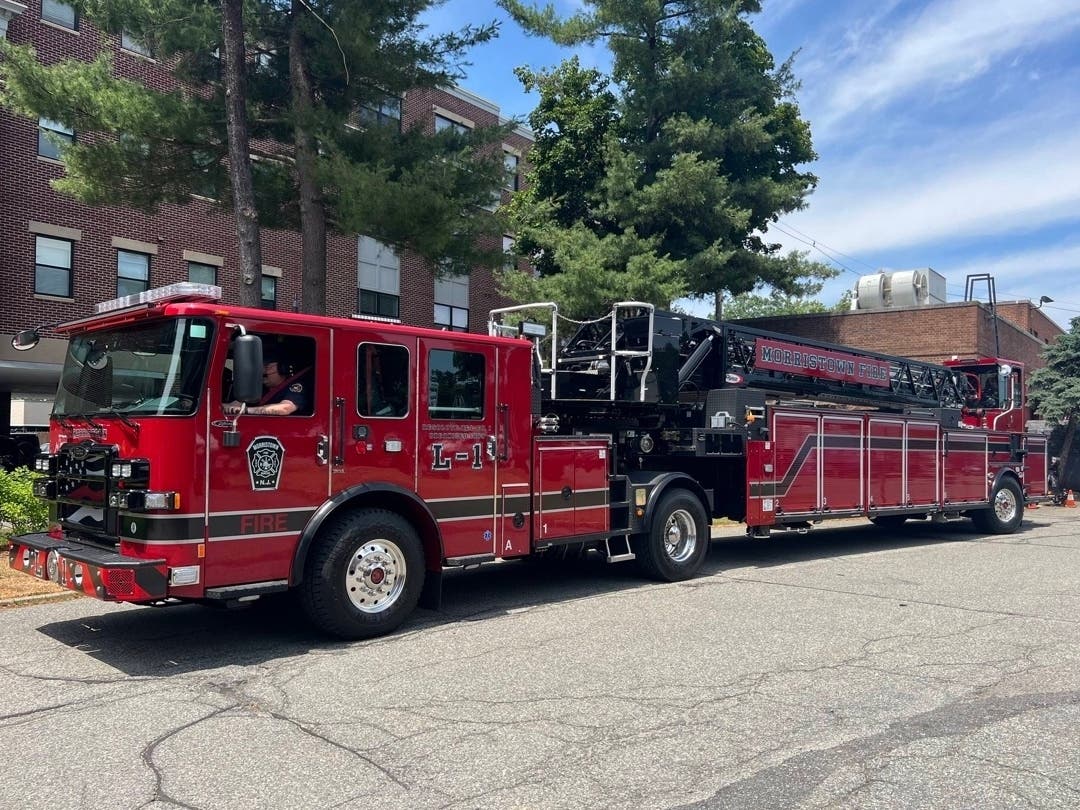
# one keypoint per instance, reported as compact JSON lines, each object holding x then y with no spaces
{"x":818,"y":248}
{"x":817,"y":242}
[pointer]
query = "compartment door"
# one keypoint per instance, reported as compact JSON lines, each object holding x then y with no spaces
{"x":885,"y":465}
{"x":923,"y":467}
{"x":841,"y":464}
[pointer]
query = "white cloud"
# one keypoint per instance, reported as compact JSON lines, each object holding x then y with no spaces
{"x":948,"y":44}
{"x":866,"y":207}
{"x":1047,"y":270}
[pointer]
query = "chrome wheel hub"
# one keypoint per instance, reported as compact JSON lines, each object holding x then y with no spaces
{"x":1005,"y":505}
{"x":376,"y":576}
{"x":680,"y":536}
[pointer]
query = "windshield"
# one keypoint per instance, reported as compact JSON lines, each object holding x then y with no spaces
{"x":153,"y":368}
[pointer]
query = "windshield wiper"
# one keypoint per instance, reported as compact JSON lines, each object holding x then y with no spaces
{"x":129,"y":422}
{"x":86,"y":418}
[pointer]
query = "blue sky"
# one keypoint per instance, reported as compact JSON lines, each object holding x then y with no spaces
{"x":948,"y":132}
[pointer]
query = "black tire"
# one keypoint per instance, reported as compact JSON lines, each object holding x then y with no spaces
{"x":889,"y":521}
{"x":345,"y":602}
{"x":677,"y":541}
{"x":1006,"y":510}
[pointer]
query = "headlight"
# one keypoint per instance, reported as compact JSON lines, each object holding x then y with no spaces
{"x":137,"y":500}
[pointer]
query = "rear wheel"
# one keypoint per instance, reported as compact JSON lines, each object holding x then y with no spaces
{"x":1006,"y":511}
{"x":677,"y":541}
{"x":365,"y":574}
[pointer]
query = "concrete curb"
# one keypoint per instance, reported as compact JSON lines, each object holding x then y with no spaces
{"x":37,"y":599}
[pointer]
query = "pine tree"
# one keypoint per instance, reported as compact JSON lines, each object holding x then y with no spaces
{"x":312,"y":69}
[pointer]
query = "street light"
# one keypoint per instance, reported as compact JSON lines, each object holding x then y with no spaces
{"x":1044,"y":299}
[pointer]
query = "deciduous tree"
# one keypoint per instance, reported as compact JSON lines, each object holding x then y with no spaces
{"x":802,"y":301}
{"x":1054,"y":390}
{"x":663,"y":177}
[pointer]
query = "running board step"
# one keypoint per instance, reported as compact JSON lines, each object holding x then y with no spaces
{"x":619,"y":555}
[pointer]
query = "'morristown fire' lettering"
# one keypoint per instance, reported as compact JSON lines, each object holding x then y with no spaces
{"x":777,"y":356}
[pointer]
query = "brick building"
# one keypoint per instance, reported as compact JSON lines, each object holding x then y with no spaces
{"x":60,"y":256}
{"x":934,"y":333}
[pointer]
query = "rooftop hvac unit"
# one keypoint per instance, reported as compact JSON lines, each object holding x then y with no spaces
{"x":937,"y":286}
{"x":873,"y":292}
{"x":910,"y":288}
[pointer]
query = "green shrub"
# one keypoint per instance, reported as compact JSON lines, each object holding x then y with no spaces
{"x":20,"y":511}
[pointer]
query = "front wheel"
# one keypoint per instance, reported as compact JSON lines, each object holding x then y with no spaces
{"x":677,"y":541}
{"x":365,"y":574}
{"x":1006,"y":511}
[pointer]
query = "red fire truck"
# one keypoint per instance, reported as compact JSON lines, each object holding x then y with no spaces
{"x":412,"y":450}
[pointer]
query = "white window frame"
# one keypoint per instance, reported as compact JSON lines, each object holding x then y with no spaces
{"x":129,"y":43}
{"x":49,"y":14}
{"x":63,"y":133}
{"x":512,"y":182}
{"x":452,"y":303}
{"x":119,"y":277}
{"x":70,"y":269}
{"x":378,"y":271}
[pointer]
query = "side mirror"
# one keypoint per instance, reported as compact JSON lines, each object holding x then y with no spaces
{"x":25,"y":340}
{"x":248,"y":368}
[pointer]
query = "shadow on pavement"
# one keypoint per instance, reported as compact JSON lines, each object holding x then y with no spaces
{"x":174,"y":640}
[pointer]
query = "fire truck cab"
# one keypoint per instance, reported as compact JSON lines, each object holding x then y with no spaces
{"x":411,"y":450}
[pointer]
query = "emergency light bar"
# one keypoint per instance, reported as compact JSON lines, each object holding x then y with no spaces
{"x":184,"y":290}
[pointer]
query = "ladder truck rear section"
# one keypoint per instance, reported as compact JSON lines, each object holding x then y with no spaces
{"x":781,"y":432}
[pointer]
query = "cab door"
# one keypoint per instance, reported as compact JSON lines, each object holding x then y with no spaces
{"x":263,"y":489}
{"x":457,"y":448}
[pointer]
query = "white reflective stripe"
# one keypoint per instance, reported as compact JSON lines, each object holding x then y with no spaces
{"x":230,"y":538}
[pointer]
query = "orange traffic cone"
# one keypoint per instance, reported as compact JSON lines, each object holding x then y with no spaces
{"x":1070,"y":501}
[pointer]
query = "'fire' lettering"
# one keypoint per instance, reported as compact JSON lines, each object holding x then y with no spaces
{"x":263,"y":524}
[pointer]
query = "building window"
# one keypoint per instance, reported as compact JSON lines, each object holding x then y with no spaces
{"x":60,"y":14}
{"x":385,"y":112}
{"x":442,"y":122}
{"x":200,"y":273}
{"x":52,"y":137}
{"x":452,"y":303}
{"x":52,"y":268}
{"x":511,"y":162}
{"x":129,"y":43}
{"x":132,"y":272}
{"x":455,"y":385}
{"x":379,"y":279}
{"x":269,"y":292}
{"x":263,"y":60}
{"x":510,"y":260}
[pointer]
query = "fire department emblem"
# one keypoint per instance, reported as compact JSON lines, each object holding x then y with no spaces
{"x":265,"y":456}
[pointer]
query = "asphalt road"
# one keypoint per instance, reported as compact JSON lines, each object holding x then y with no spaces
{"x":851,"y":667}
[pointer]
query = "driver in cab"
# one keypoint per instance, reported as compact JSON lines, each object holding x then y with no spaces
{"x":284,"y":393}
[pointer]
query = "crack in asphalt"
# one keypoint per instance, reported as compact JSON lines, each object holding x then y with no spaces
{"x":788,"y":783}
{"x":150,"y":749}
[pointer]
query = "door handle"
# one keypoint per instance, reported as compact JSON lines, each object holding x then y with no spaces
{"x":339,"y":407}
{"x":504,"y":418}
{"x":322,"y":449}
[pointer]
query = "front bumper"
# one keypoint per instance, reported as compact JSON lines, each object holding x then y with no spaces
{"x":88,"y":569}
